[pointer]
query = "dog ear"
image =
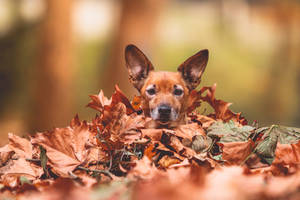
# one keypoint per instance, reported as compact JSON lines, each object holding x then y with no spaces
{"x":138,"y":66}
{"x":192,"y":69}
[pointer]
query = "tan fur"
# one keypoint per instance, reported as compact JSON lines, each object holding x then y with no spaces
{"x":165,"y":82}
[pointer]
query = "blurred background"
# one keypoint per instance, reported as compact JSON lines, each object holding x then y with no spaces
{"x":54,"y":53}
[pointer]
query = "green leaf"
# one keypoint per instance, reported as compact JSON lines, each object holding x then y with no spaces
{"x":288,"y":135}
{"x":284,"y":135}
{"x":44,"y":159}
{"x":24,"y":180}
{"x":218,"y":157}
{"x":229,"y":132}
{"x":266,"y":149}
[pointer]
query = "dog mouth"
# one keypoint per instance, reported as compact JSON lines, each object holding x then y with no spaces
{"x":164,"y":119}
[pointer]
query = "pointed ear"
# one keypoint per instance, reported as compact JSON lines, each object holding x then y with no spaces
{"x":138,"y":66}
{"x":192,"y":69}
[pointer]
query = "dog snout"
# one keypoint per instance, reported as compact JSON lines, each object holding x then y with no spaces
{"x":164,"y":113}
{"x":164,"y":110}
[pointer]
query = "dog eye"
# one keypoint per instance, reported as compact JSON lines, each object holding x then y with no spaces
{"x":151,"y":91}
{"x":178,"y":92}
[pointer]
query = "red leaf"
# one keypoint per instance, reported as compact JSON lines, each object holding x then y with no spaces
{"x":221,"y":107}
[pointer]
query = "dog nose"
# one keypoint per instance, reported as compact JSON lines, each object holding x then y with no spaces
{"x":164,"y":110}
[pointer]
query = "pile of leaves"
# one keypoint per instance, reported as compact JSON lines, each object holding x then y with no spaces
{"x":115,"y":156}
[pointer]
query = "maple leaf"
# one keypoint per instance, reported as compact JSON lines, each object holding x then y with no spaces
{"x":279,"y":145}
{"x":66,"y":148}
{"x":129,"y":130}
{"x":101,"y":103}
{"x":21,"y":165}
{"x":124,"y":128}
{"x":221,"y":107}
{"x":21,"y":146}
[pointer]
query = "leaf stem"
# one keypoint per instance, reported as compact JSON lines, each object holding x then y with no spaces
{"x":105,"y":172}
{"x":32,"y":160}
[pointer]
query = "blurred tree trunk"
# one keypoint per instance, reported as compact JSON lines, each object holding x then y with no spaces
{"x":279,"y":90}
{"x":52,"y":89}
{"x":137,"y":26}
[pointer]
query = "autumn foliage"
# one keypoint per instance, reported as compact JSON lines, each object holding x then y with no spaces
{"x":214,"y":156}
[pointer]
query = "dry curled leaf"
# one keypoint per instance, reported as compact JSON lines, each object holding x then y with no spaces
{"x":66,"y":148}
{"x":221,"y":107}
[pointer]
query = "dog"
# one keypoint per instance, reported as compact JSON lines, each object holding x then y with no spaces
{"x":164,"y":94}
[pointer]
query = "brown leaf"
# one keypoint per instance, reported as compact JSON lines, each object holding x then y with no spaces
{"x":188,"y":131}
{"x":153,"y":134}
{"x":166,"y":161}
{"x":118,"y":96}
{"x":149,"y":151}
{"x":176,"y":144}
{"x":96,"y":154}
{"x":5,"y":154}
{"x":184,"y":163}
{"x":221,"y":107}
{"x":100,"y":102}
{"x":129,"y":128}
{"x":287,"y":154}
{"x":22,"y":147}
{"x":193,"y":101}
{"x":137,"y":103}
{"x":235,"y":153}
{"x":20,"y":167}
{"x":66,"y":148}
{"x":204,"y":120}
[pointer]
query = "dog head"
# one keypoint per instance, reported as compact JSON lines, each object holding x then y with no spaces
{"x":164,"y":94}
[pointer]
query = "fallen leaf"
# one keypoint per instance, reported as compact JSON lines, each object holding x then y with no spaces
{"x":5,"y":154}
{"x":167,"y":161}
{"x":188,"y":131}
{"x":153,"y":134}
{"x":235,"y":153}
{"x":221,"y":107}
{"x":21,"y":167}
{"x":66,"y":148}
{"x":21,"y":146}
